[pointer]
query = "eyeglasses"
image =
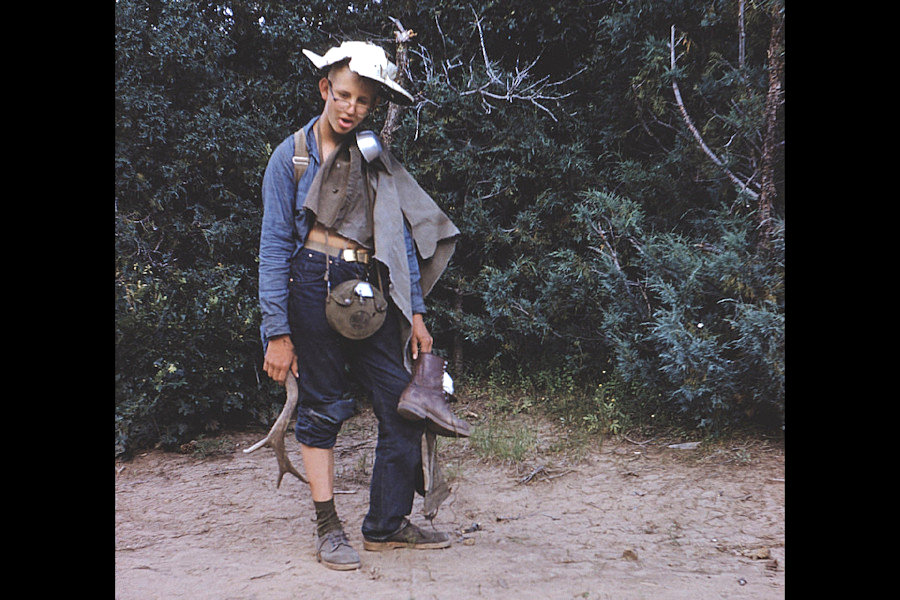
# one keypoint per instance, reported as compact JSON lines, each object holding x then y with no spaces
{"x":344,"y":103}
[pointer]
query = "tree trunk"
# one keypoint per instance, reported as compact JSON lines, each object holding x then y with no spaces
{"x":770,"y":142}
{"x":392,"y":120}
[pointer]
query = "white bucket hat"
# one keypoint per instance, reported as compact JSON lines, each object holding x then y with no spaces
{"x":366,"y":60}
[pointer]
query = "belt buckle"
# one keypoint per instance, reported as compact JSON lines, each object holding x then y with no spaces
{"x":352,"y":255}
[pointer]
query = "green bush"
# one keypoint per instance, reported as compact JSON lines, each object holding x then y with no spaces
{"x":696,"y":321}
{"x":187,"y":344}
{"x":600,"y":248}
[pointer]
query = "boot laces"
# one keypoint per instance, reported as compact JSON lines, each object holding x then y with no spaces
{"x":337,"y":538}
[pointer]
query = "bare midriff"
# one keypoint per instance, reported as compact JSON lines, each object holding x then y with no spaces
{"x":323,"y":235}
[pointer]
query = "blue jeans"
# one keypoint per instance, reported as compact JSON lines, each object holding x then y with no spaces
{"x":377,"y":362}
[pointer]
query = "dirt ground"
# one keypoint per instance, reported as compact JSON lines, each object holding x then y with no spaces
{"x":629,"y":519}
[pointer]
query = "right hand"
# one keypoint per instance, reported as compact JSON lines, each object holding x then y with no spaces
{"x":280,"y":357}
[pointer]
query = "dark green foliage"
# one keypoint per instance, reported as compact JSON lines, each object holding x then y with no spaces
{"x":599,"y":244}
{"x":195,"y":123}
{"x":696,"y":322}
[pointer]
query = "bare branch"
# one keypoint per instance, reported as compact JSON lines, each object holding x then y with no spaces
{"x":419,"y":108}
{"x":609,"y":246}
{"x":690,"y":125}
{"x":518,"y":86}
{"x":741,"y":34}
{"x":392,"y":120}
{"x":487,"y":63}
{"x":402,"y":34}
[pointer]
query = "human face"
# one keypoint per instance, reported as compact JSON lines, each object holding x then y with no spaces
{"x":348,"y":99}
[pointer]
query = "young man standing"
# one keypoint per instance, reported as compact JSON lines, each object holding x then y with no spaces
{"x":351,"y":216}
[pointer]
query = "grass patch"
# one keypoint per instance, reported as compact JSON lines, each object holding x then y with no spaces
{"x":203,"y":447}
{"x":503,"y":440}
{"x":598,"y":404}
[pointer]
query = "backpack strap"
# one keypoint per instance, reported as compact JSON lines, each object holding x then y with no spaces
{"x":301,"y":155}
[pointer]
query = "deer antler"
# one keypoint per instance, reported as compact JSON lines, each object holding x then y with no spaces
{"x":275,"y":438}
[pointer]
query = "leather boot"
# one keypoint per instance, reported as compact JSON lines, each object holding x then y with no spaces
{"x":425,"y":398}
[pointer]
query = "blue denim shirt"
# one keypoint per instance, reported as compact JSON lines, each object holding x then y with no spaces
{"x":284,"y":231}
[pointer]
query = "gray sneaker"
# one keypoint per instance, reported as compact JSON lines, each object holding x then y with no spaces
{"x":409,"y":536}
{"x":335,"y":552}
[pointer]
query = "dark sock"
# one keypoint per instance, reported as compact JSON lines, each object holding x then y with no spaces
{"x":326,"y":517}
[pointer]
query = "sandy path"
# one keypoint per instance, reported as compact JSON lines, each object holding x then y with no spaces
{"x":624,"y":521}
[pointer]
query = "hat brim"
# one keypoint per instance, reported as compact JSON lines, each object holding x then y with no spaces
{"x":389,"y":87}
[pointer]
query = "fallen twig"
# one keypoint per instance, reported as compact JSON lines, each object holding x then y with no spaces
{"x":627,"y":439}
{"x":566,"y":472}
{"x":531,"y":475}
{"x":528,"y":515}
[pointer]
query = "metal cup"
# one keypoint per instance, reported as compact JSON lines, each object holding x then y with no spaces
{"x":369,"y":144}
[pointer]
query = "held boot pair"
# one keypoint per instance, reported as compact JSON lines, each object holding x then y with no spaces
{"x":425,"y":398}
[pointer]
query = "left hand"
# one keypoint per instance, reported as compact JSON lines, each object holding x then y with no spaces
{"x":421,"y":340}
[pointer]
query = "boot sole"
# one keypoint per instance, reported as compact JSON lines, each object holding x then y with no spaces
{"x":446,"y":431}
{"x":411,"y":412}
{"x":339,"y":566}
{"x":379,"y":546}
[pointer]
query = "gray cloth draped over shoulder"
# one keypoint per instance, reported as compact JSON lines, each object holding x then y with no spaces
{"x":340,"y":199}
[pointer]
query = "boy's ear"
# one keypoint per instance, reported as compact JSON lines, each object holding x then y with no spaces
{"x":323,"y":88}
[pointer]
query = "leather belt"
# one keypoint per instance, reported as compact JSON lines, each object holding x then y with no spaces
{"x":361,"y":255}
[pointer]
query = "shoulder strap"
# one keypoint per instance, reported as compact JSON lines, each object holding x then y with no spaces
{"x":301,"y":155}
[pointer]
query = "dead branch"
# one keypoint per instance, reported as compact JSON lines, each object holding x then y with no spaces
{"x":741,"y":35}
{"x":392,"y":120}
{"x":611,"y":249}
{"x":518,"y":86}
{"x":627,"y":439}
{"x":690,"y":125}
{"x":547,"y":477}
{"x":275,"y":437}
